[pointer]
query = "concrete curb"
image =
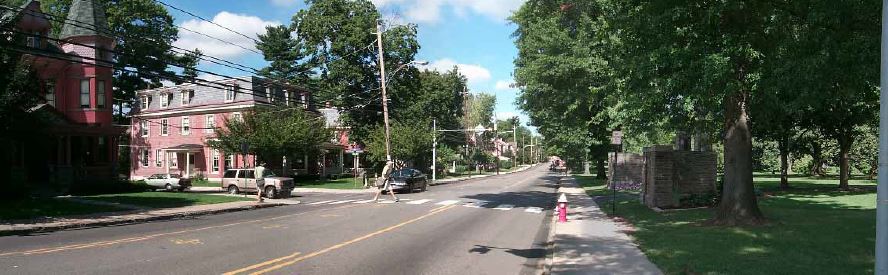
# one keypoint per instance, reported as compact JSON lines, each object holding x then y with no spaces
{"x":130,"y":219}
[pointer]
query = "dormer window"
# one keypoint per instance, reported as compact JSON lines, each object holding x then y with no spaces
{"x":146,"y":100}
{"x":165,"y":99}
{"x":187,"y":95}
{"x":229,"y":92}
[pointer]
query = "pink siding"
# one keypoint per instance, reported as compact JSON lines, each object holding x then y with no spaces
{"x":202,"y":160}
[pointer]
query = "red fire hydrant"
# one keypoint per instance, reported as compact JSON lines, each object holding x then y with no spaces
{"x":562,"y":208}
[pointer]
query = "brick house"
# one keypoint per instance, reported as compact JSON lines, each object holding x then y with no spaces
{"x":82,"y":143}
{"x":171,"y":125}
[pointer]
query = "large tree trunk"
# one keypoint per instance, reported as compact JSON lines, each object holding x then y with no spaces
{"x":817,"y":159}
{"x":844,"y":167}
{"x":783,"y":147}
{"x":738,"y":205}
{"x":600,"y":169}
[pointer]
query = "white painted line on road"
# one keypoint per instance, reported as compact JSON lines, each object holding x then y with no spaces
{"x":504,"y":207}
{"x":419,"y":202}
{"x":534,"y":210}
{"x":366,"y":201}
{"x":448,"y":202}
{"x":474,"y":204}
{"x":320,"y":202}
{"x":341,"y":202}
{"x":386,"y":201}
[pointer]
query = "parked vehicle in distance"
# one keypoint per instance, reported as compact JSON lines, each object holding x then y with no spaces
{"x":408,"y":180}
{"x":169,"y":182}
{"x":244,"y":180}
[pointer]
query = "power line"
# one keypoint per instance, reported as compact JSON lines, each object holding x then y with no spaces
{"x":204,"y":19}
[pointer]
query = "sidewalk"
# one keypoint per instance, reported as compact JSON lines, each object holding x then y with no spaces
{"x":133,"y":216}
{"x":591,"y":243}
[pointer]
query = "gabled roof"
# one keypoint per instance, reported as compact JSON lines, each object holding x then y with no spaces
{"x":86,"y":18}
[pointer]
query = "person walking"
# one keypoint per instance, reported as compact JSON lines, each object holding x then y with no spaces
{"x":385,"y":185}
{"x":260,"y":180}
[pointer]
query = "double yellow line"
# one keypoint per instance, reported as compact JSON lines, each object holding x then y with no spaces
{"x":275,"y":264}
{"x":152,"y":236}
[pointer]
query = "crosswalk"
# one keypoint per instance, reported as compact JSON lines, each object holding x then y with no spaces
{"x":468,"y":204}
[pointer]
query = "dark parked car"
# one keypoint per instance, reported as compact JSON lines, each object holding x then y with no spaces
{"x":408,"y":180}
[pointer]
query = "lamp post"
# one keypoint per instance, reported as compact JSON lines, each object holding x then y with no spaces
{"x":882,"y":189}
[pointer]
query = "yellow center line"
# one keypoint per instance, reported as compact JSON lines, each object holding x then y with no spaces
{"x":152,"y":236}
{"x":264,"y":263}
{"x":340,"y":245}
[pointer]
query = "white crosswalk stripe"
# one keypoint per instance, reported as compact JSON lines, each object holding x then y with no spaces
{"x":419,"y":202}
{"x":366,"y":201}
{"x":474,"y":204}
{"x":341,"y":202}
{"x":534,"y":210}
{"x":320,"y":202}
{"x":504,"y":207}
{"x":447,"y":202}
{"x":386,"y":201}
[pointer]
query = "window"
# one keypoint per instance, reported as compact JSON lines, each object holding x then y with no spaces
{"x":165,"y":99}
{"x":229,"y":92}
{"x":84,"y":93}
{"x":50,"y":92}
{"x":248,"y":174}
{"x":288,"y":96}
{"x":304,"y":100}
{"x":164,"y":127}
{"x":144,"y":128}
{"x":236,"y":116}
{"x":210,"y":126}
{"x":215,"y":163}
{"x":186,"y":97}
{"x":269,"y":94}
{"x":158,"y":158}
{"x":144,"y":157}
{"x":145,"y":102}
{"x":229,"y":161}
{"x":100,"y":94}
{"x":174,"y":160}
{"x":230,"y":174}
{"x":186,"y":126}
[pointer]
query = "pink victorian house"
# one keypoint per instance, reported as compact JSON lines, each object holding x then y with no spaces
{"x":77,"y":81}
{"x":171,"y":125}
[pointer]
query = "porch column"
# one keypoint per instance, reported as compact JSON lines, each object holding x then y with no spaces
{"x":166,"y":160}
{"x":188,"y":165}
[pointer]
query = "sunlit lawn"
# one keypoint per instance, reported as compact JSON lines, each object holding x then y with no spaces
{"x":164,"y":199}
{"x":814,"y":229}
{"x":341,"y":183}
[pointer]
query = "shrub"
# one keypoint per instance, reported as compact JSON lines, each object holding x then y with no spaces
{"x":108,"y":187}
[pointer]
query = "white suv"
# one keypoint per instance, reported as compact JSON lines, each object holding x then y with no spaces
{"x":244,"y":180}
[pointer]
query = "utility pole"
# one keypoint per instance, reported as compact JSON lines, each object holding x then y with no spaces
{"x":882,"y":196}
{"x":385,"y":113}
{"x":515,"y":140}
{"x":434,"y":149}
{"x":496,"y":147}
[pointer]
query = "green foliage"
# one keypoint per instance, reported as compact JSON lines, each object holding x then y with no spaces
{"x":765,"y":157}
{"x":272,"y":133}
{"x":409,"y":142}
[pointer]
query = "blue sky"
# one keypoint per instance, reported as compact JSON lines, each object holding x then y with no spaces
{"x":471,"y":34}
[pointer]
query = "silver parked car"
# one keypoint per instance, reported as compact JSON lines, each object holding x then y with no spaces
{"x":169,"y":182}
{"x":244,"y":180}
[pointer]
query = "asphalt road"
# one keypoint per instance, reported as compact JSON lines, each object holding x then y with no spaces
{"x":495,"y":225}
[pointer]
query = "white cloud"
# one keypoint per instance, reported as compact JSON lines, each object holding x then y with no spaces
{"x":505,"y":115}
{"x":284,"y":3}
{"x":429,"y":11}
{"x":474,"y":73}
{"x":504,"y":85}
{"x":249,"y":25}
{"x":210,"y":77}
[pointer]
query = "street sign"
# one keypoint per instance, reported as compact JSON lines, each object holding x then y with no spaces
{"x":617,"y":138}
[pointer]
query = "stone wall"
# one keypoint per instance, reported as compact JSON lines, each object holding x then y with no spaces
{"x":671,"y":175}
{"x":627,"y":172}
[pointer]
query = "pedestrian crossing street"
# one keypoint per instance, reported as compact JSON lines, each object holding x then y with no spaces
{"x":468,"y":204}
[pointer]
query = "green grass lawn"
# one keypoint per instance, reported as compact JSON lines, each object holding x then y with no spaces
{"x":814,"y":229}
{"x":165,"y":199}
{"x":205,"y":183}
{"x":47,"y":207}
{"x":342,"y":183}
